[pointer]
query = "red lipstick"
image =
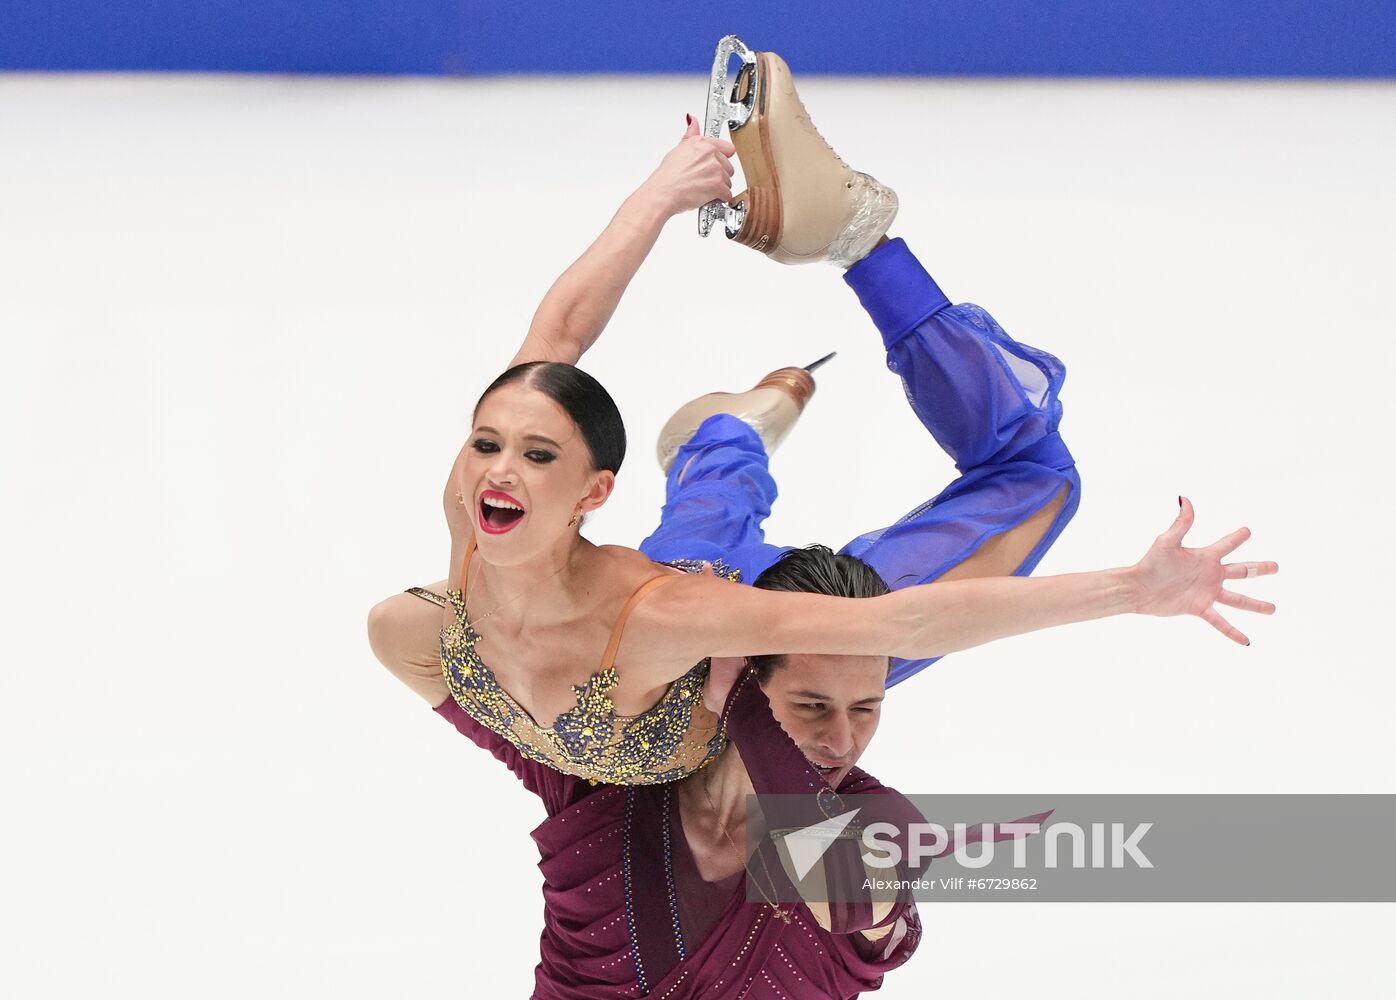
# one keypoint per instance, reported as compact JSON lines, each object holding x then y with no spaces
{"x":501,"y":514}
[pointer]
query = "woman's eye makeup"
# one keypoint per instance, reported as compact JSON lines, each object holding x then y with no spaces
{"x":538,"y":456}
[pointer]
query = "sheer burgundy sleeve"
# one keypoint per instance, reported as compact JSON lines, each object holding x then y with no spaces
{"x":557,"y":790}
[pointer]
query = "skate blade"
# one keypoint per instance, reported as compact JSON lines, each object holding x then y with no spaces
{"x":726,"y":108}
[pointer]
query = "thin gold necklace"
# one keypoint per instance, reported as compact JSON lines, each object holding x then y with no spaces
{"x":703,"y":782}
{"x":465,"y":598}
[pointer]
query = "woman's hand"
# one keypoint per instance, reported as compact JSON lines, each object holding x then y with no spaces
{"x":693,"y":173}
{"x":1173,"y":580}
{"x":580,"y":303}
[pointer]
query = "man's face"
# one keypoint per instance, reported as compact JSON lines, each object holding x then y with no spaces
{"x":830,"y":706}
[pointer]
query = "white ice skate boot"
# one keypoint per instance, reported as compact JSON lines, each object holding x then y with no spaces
{"x":802,"y":203}
{"x":770,"y":408}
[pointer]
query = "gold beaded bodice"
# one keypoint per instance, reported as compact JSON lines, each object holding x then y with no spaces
{"x":675,"y":738}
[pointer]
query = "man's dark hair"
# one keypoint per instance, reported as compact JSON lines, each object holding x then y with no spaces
{"x":815,"y":569}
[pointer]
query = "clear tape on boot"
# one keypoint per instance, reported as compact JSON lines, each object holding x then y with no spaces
{"x":874,"y":208}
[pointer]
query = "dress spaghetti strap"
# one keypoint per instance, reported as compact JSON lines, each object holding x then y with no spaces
{"x":641,"y":592}
{"x":465,"y":565}
{"x":644,"y":590}
{"x":428,"y":595}
{"x":676,"y":736}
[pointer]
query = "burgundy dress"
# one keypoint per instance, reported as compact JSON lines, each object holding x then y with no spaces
{"x":626,"y":914}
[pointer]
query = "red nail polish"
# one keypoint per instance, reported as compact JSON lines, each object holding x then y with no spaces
{"x":689,"y":118}
{"x":1180,"y":501}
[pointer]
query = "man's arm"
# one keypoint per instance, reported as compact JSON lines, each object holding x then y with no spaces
{"x":580,"y":303}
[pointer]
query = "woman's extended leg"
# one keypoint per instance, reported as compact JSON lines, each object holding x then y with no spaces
{"x":992,"y":404}
{"x":989,"y":401}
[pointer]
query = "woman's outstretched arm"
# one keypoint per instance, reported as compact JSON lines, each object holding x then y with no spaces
{"x":581,"y":302}
{"x":701,"y":617}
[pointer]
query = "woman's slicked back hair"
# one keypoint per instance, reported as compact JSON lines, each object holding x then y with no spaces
{"x":582,"y":398}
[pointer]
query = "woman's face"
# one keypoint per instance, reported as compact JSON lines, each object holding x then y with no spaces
{"x":527,"y":472}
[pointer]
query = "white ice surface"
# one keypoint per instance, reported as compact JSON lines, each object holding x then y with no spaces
{"x":243,"y":321}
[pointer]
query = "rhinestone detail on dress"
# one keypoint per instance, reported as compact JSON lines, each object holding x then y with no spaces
{"x":672,"y":740}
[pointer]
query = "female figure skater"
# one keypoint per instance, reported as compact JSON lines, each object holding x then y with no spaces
{"x":613,"y":648}
{"x":659,"y":902}
{"x":655,"y":904}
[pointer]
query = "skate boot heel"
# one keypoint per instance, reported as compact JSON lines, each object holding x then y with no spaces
{"x":770,"y":408}
{"x":796,"y":383}
{"x":760,"y":219}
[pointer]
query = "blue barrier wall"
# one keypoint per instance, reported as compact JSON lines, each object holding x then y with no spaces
{"x":1354,"y":38}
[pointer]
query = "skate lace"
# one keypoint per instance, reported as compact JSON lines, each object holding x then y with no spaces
{"x":815,"y":129}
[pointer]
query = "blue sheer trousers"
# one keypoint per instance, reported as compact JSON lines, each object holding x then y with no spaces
{"x":990,"y":402}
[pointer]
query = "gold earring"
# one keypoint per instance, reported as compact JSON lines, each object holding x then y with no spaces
{"x":576,"y":519}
